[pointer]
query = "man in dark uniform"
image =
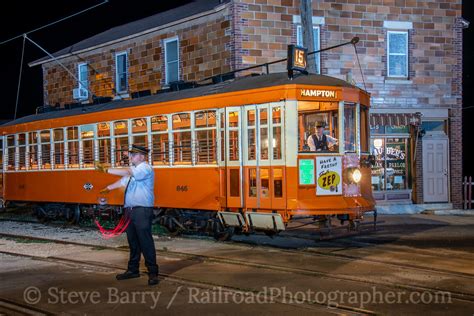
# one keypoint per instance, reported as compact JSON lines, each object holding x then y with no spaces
{"x":138,"y":181}
{"x":319,"y":141}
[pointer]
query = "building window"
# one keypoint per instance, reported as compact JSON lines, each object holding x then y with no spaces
{"x":391,"y":147}
{"x":171,"y":60}
{"x":397,"y":54}
{"x":316,"y":36}
{"x":121,"y":72}
{"x":82,"y":76}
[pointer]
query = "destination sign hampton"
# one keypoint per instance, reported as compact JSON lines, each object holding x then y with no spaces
{"x":318,"y":93}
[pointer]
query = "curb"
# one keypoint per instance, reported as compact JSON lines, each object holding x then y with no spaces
{"x":449,"y":212}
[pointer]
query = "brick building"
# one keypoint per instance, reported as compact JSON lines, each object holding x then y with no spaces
{"x":410,"y":53}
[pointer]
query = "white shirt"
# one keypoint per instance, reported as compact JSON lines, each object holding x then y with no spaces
{"x":140,"y":188}
{"x":312,"y":146}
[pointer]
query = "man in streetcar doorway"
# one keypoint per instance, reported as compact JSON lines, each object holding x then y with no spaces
{"x":138,"y":181}
{"x":319,"y":141}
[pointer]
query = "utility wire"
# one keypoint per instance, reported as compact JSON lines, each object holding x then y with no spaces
{"x":360,"y":68}
{"x":56,"y":60}
{"x":52,"y":23}
{"x":19,"y":79}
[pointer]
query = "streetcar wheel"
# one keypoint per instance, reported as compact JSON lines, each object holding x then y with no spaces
{"x":222,"y":233}
{"x":73,"y":214}
{"x":270,"y":233}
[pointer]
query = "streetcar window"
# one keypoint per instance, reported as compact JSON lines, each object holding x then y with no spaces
{"x":315,"y":118}
{"x":87,"y":138}
{"x":120,"y":128}
{"x":160,"y":140}
{"x":87,"y":131}
{"x":22,"y":151}
{"x":45,"y":138}
{"x":11,"y":140}
{"x":103,"y":129}
{"x":105,"y":154}
{"x":121,"y":143}
{"x":72,"y":133}
{"x":252,"y":182}
{"x":364,"y":129}
{"x":104,"y":143}
{"x":222,"y":127}
{"x":11,"y":158}
{"x":159,"y":123}
{"x":276,"y":141}
{"x":58,"y":139}
{"x":33,"y":150}
{"x":139,"y":125}
{"x":233,"y":136}
{"x":204,"y":119}
{"x":206,"y":146}
{"x":73,"y":146}
{"x":121,"y":151}
{"x":87,"y":153}
{"x":21,"y":139}
{"x":206,"y":137}
{"x":11,"y":152}
{"x":182,"y":151}
{"x":251,"y":136}
{"x":181,"y":121}
{"x":1,"y":153}
{"x":160,"y":149}
{"x":264,"y":134}
{"x":278,"y":182}
{"x":349,"y":128}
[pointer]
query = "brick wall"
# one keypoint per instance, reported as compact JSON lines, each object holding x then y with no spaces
{"x":205,"y":50}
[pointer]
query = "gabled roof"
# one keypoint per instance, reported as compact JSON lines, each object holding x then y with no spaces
{"x":185,"y":11}
{"x":240,"y":84}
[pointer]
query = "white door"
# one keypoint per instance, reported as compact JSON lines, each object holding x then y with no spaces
{"x":435,"y":170}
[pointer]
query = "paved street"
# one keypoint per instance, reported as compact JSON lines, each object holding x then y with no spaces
{"x":410,"y":265}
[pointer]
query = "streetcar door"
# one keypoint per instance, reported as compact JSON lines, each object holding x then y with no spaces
{"x":233,"y":157}
{"x":263,"y":156}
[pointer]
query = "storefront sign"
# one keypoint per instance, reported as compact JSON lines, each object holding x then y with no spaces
{"x":329,"y":175}
{"x":306,"y":171}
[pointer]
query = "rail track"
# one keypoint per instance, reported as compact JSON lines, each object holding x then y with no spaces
{"x":458,"y":295}
{"x":310,"y":305}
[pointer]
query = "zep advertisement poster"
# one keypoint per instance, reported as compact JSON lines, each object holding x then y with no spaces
{"x":329,"y":175}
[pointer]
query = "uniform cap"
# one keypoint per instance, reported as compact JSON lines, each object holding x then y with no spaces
{"x":320,"y":124}
{"x":139,"y":149}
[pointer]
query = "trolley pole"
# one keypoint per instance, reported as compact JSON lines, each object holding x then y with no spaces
{"x":306,"y":12}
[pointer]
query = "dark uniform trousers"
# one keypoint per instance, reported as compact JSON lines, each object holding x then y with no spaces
{"x":140,"y":239}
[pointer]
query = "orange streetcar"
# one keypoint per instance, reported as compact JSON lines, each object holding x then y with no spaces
{"x":228,"y":156}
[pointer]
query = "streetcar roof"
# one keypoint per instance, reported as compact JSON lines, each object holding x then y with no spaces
{"x":238,"y":84}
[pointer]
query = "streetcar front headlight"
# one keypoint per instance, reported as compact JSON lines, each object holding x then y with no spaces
{"x":355,"y":175}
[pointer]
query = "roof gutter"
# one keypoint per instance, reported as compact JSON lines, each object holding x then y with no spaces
{"x":122,"y":39}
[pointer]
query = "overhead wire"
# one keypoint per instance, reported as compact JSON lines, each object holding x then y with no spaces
{"x":19,"y":79}
{"x":52,"y":23}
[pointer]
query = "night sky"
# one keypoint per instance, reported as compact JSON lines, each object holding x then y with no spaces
{"x":25,"y":16}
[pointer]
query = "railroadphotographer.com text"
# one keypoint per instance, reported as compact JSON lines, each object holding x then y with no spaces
{"x":218,"y":295}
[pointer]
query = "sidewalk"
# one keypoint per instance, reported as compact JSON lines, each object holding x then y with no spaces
{"x":427,"y":209}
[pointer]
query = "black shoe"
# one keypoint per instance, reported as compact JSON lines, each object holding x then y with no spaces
{"x":127,"y":275}
{"x":153,"y":279}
